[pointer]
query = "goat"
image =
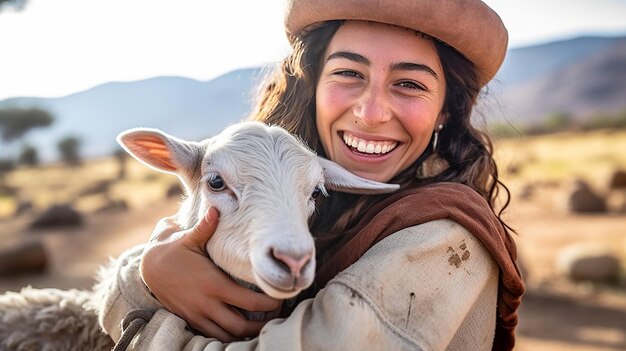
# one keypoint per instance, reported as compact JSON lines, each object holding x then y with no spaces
{"x":264,"y":182}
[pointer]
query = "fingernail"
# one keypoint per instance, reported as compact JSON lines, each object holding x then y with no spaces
{"x":207,"y":215}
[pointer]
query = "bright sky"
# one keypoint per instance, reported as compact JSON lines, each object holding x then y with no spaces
{"x":55,"y":48}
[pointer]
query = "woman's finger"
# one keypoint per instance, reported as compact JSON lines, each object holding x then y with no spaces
{"x":209,"y":328}
{"x":249,"y":300}
{"x":234,"y":323}
{"x":203,"y":230}
{"x":230,"y":292}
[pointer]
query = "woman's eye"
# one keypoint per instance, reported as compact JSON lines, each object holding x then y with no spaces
{"x":348,"y":74}
{"x":411,"y":85}
{"x":217,"y":183}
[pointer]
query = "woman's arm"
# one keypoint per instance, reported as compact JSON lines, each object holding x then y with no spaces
{"x":429,"y":287}
{"x":183,"y":280}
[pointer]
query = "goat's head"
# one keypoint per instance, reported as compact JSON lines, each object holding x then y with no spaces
{"x":264,"y":182}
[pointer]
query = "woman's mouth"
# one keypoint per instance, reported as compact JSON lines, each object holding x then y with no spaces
{"x":364,"y":146}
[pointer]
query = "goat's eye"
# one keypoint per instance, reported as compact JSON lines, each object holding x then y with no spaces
{"x":217,"y":183}
{"x":319,"y":190}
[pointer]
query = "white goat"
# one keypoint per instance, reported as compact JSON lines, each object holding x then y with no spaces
{"x":264,"y":182}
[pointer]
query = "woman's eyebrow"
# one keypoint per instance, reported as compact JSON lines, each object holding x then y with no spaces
{"x":400,"y":66}
{"x":410,"y":66}
{"x":352,"y":56}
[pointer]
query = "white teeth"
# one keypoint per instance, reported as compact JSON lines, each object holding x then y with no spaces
{"x":361,"y":146}
{"x":370,"y":147}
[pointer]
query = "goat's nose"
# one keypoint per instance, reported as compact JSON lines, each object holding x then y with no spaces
{"x":291,"y":263}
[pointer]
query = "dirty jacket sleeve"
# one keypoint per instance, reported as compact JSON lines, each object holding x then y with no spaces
{"x":428,"y":287}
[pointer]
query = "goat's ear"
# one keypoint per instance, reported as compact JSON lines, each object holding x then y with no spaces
{"x":159,"y":150}
{"x":339,"y":179}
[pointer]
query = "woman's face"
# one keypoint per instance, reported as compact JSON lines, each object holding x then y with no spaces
{"x":379,"y":96}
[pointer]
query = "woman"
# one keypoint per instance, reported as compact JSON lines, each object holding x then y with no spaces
{"x":385,"y":89}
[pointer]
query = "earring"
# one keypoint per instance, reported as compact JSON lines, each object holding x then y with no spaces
{"x":434,"y":164}
{"x":436,"y":137}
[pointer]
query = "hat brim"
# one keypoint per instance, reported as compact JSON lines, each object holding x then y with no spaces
{"x":469,"y":26}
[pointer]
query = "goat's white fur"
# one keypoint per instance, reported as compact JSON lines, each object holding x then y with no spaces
{"x":270,"y":176}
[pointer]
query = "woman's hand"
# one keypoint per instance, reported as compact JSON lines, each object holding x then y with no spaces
{"x":177,"y":270}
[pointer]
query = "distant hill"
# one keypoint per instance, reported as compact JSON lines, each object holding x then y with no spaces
{"x":184,"y":107}
{"x":583,"y":77}
{"x":528,"y":63}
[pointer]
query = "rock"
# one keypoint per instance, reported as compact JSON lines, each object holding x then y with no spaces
{"x":589,"y":263}
{"x":582,"y":199}
{"x":527,"y":192}
{"x":513,"y":169}
{"x":23,"y":207}
{"x":618,"y":180}
{"x":113,"y":206}
{"x":99,"y":187}
{"x":58,"y":216}
{"x":7,"y":190}
{"x":23,"y":257}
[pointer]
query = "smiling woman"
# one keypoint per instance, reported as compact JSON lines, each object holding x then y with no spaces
{"x":377,"y":107}
{"x":385,"y":89}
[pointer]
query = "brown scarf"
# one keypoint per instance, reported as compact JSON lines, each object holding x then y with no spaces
{"x":428,"y":203}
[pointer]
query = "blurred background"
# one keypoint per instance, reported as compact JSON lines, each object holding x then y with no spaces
{"x":73,"y":74}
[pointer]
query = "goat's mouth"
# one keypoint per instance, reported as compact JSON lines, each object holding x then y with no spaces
{"x":292,"y":288}
{"x":277,"y":290}
{"x":367,"y":147}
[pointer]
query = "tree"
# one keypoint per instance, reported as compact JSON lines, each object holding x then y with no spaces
{"x":28,"y":156}
{"x":15,"y":122}
{"x":121,"y":156}
{"x":69,"y":149}
{"x":557,"y":122}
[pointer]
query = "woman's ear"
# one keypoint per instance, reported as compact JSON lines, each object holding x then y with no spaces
{"x":442,"y":119}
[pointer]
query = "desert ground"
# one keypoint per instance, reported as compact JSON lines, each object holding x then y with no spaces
{"x":556,"y":313}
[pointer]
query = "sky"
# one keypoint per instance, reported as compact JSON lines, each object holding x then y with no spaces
{"x":55,"y":48}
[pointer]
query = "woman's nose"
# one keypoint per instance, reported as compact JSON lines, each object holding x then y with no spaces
{"x":372,"y":107}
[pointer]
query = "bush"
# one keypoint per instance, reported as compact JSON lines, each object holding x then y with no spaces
{"x":69,"y":149}
{"x":7,"y":165}
{"x":557,"y":122}
{"x":505,"y":130}
{"x":28,"y":156}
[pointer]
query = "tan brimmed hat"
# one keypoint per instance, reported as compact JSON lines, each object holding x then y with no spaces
{"x":469,"y":26}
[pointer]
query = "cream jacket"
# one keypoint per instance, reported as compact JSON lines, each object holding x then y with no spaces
{"x":428,"y":287}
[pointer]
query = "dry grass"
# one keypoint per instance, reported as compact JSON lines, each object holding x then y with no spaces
{"x":562,"y":157}
{"x":54,"y":184}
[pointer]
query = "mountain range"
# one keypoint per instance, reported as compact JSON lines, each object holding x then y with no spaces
{"x":582,"y":77}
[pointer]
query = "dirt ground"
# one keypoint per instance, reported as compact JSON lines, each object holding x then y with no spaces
{"x":555,"y":315}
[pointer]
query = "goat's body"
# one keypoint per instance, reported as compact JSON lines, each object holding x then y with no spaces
{"x":50,"y":320}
